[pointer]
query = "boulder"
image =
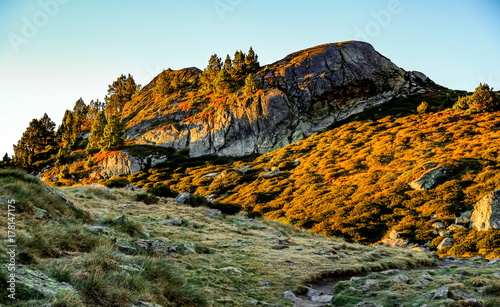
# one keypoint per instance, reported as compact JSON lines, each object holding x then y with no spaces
{"x":486,"y":213}
{"x":40,"y":283}
{"x":428,"y":179}
{"x":120,"y":163}
{"x":446,"y":242}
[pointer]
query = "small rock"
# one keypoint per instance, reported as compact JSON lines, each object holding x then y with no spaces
{"x":213,"y":212}
{"x":444,"y":233}
{"x":210,"y":175}
{"x":183,"y":198}
{"x":265,"y":284}
{"x":454,"y":227}
{"x":462,"y":220}
{"x":446,"y":242}
{"x":354,"y":278}
{"x":438,"y":225}
{"x":466,"y":214}
{"x":253,"y":302}
{"x":289,"y":295}
{"x":394,"y":234}
{"x":441,"y":293}
{"x":41,"y":213}
{"x":189,"y":248}
{"x":401,"y":278}
{"x":171,"y":222}
{"x":322,"y":298}
{"x":390,"y":272}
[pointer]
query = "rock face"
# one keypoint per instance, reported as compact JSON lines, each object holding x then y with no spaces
{"x":429,"y":179}
{"x":124,"y":163}
{"x":302,"y":94}
{"x":486,"y":214}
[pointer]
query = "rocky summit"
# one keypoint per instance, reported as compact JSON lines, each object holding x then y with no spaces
{"x":300,"y":95}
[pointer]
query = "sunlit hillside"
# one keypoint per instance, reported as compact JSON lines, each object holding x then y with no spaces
{"x":353,"y":180}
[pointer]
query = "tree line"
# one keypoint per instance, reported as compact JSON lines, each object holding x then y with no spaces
{"x":41,"y":140}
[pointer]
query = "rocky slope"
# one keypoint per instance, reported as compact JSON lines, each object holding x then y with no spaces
{"x":301,"y":94}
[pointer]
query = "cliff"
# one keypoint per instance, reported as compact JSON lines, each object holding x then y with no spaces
{"x":300,"y":95}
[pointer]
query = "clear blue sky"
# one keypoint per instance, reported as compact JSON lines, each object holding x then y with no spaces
{"x":53,"y":52}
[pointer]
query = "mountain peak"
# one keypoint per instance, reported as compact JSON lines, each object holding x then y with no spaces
{"x":298,"y":96}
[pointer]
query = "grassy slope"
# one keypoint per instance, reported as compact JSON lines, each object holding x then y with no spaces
{"x":353,"y":180}
{"x":231,"y":259}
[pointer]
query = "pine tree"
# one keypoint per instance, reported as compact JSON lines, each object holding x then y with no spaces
{"x":119,"y":93}
{"x":484,"y":99}
{"x":80,"y":111}
{"x":210,"y":74}
{"x":30,"y":143}
{"x":224,"y":82}
{"x":113,"y":136}
{"x":162,"y":87}
{"x":228,"y":64}
{"x":239,"y":66}
{"x":66,"y":131}
{"x":97,"y":130}
{"x":93,"y":109}
{"x":251,"y":84}
{"x":251,"y":62}
{"x":48,"y":136}
{"x":6,"y":159}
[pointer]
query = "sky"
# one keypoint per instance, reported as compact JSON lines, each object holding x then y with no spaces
{"x":52,"y":52}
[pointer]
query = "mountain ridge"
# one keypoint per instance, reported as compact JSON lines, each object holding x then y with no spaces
{"x":298,"y":96}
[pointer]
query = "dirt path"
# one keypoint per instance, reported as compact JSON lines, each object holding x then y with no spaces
{"x":326,"y":287}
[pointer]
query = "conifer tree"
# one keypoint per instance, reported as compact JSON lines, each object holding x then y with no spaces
{"x":251,"y":84}
{"x":6,"y":159}
{"x":251,"y":62}
{"x":484,"y":99}
{"x":93,"y":109}
{"x":113,"y":136}
{"x":66,"y":131}
{"x":119,"y":93}
{"x":239,"y":66}
{"x":223,"y":83}
{"x":210,"y":74}
{"x":162,"y":87}
{"x":97,"y":130}
{"x":47,"y":130}
{"x":80,"y":111}
{"x":228,"y":64}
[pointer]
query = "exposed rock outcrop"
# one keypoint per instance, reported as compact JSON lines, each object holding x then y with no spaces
{"x":302,"y":94}
{"x":486,"y":214}
{"x":428,"y":179}
{"x":125,"y":163}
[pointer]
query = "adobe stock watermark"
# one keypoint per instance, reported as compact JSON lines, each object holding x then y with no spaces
{"x":31,"y":26}
{"x":223,"y":6}
{"x":381,"y":20}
